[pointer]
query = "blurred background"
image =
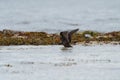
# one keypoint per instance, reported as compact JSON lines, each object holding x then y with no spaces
{"x":58,"y":15}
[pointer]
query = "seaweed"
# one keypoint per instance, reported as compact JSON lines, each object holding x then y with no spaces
{"x":10,"y":37}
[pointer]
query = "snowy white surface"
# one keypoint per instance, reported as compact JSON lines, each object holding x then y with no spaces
{"x":57,"y":15}
{"x":100,"y":62}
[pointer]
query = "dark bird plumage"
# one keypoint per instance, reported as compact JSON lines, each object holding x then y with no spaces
{"x":65,"y":37}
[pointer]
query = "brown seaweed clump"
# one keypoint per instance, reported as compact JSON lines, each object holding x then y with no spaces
{"x":10,"y":37}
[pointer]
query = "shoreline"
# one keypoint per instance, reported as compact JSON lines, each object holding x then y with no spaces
{"x":11,"y":37}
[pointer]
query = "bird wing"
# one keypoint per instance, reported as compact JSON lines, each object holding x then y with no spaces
{"x":71,"y":33}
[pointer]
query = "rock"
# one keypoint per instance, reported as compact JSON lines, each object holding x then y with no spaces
{"x":7,"y":31}
{"x":88,"y":36}
{"x":8,"y":65}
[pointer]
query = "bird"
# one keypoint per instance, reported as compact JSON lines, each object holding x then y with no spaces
{"x":65,"y":37}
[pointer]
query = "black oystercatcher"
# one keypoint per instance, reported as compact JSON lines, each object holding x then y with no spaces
{"x":66,"y":37}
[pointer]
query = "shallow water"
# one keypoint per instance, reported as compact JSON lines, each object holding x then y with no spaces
{"x":57,"y":15}
{"x":98,"y":62}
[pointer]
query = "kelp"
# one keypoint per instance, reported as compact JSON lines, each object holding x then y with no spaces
{"x":10,"y":37}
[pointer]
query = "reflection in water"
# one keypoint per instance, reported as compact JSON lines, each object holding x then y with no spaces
{"x":66,"y":50}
